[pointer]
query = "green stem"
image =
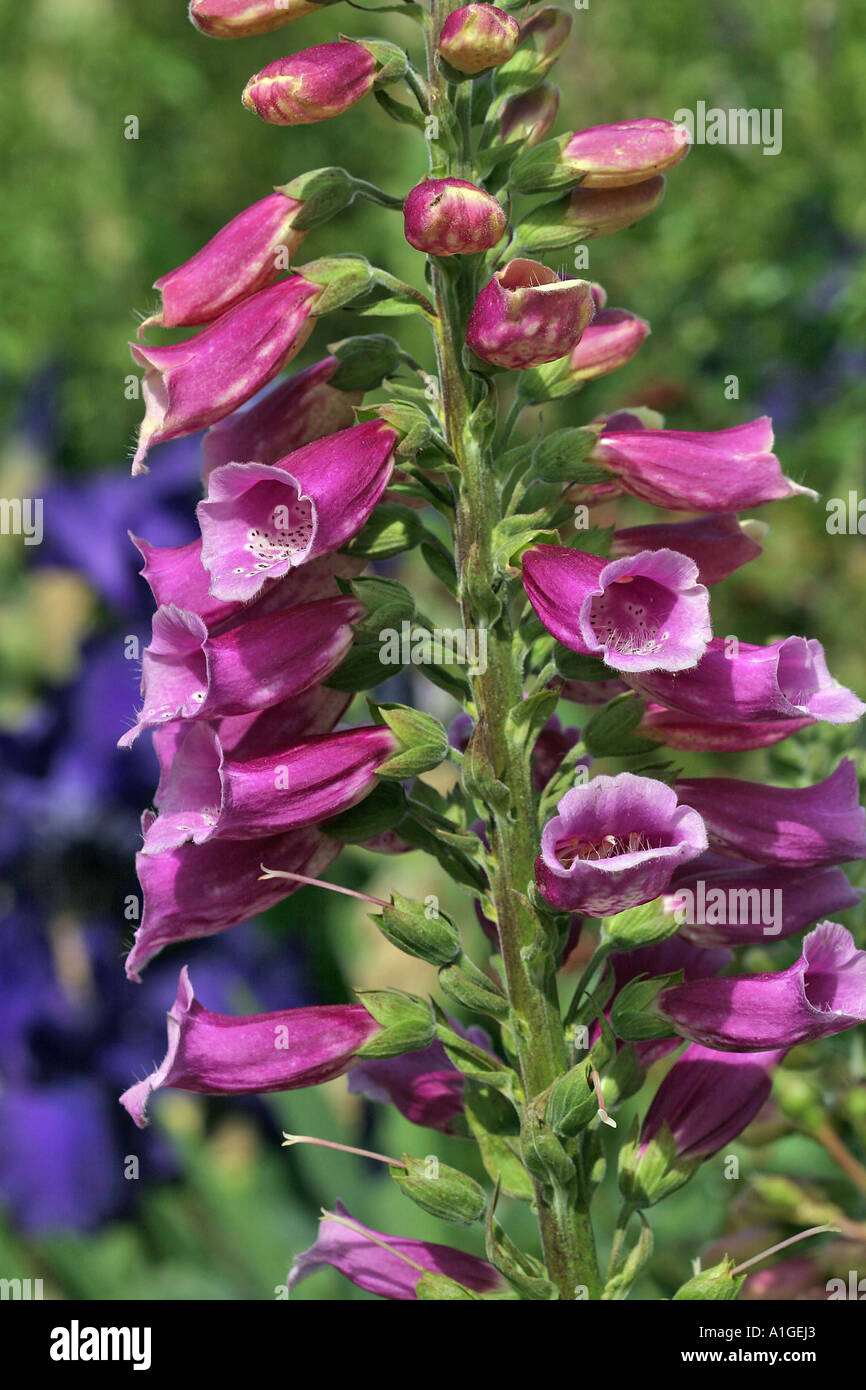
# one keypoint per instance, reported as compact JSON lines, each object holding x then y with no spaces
{"x":525,"y":940}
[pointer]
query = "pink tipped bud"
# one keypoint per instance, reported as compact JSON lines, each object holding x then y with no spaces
{"x":526,"y":316}
{"x":450,"y":217}
{"x":236,"y":19}
{"x":311,"y":85}
{"x":244,"y":256}
{"x":614,"y":156}
{"x":529,"y":116}
{"x":478,"y":37}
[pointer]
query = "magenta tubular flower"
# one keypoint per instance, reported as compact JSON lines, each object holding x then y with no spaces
{"x":615,"y":843}
{"x":526,"y":315}
{"x":225,"y":1055}
{"x":259,"y":522}
{"x":785,"y":680}
{"x":199,"y":890}
{"x":176,"y":575}
{"x":614,"y":156}
{"x":611,"y":340}
{"x":188,"y":675}
{"x":691,"y":734}
{"x":312,"y":85}
{"x":708,"y":1098}
{"x":425,"y":1086}
{"x":722,"y":470}
{"x":237,"y":19}
{"x":642,"y":613}
{"x":297,"y":410}
{"x":358,"y":1253}
{"x":450,"y":217}
{"x":728,"y":902}
{"x":595,"y":212}
{"x":192,"y":384}
{"x":238,"y":261}
{"x":800,"y":826}
{"x":477,"y":37}
{"x":207,"y":795}
{"x":719,"y":544}
{"x":822,"y":993}
{"x":528,"y":117}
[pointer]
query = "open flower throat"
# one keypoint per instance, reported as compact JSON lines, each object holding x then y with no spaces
{"x":576,"y":847}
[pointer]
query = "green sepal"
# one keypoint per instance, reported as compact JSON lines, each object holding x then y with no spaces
{"x":423,"y":741}
{"x":558,"y":456}
{"x":621,"y":1280}
{"x":608,"y":732}
{"x":442,"y":1289}
{"x":719,"y":1283}
{"x":525,"y":720}
{"x":571,"y":1102}
{"x":632,"y":1013}
{"x":323,"y":192}
{"x":495,"y":1126}
{"x":390,"y":531}
{"x":524,"y":1274}
{"x":409,"y":927}
{"x":539,"y":169}
{"x":649,"y":1173}
{"x":514,"y":534}
{"x":408,"y":1023}
{"x":365,"y":361}
{"x":639,"y":926}
{"x":543,"y":1153}
{"x":576,"y":666}
{"x":379,"y":812}
{"x":465,"y":984}
{"x":445,"y":1192}
{"x":342,"y":277}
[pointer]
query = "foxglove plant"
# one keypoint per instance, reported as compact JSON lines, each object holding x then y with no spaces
{"x":266,"y":630}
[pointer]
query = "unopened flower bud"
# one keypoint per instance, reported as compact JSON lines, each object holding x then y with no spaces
{"x":450,"y":217}
{"x":444,"y":1192}
{"x":610,"y":341}
{"x":526,"y":316}
{"x":237,"y":19}
{"x":586,"y":213}
{"x":529,"y":116}
{"x":313,"y":84}
{"x":477,"y":37}
{"x":614,"y":156}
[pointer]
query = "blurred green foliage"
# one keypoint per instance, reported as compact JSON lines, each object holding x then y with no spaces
{"x":753,"y":266}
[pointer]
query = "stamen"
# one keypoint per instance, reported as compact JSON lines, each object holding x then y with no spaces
{"x":792,"y":1240}
{"x":290,"y":1139}
{"x":320,"y":883}
{"x":608,"y":847}
{"x":599,"y":1095}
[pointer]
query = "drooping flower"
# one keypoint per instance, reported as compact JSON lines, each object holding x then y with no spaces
{"x":259,"y":522}
{"x":719,"y":544}
{"x":188,"y":675}
{"x":200,"y":890}
{"x":709,"y":1097}
{"x":822,"y":993}
{"x":614,"y":156}
{"x":527,"y":315}
{"x":730,"y":902}
{"x":450,"y":217}
{"x":740,"y":682}
{"x":389,"y":1266}
{"x":227,"y":1055}
{"x":802,"y":826}
{"x":235,"y":19}
{"x":614,"y":844}
{"x":644,"y":612}
{"x":312,"y":85}
{"x":476,"y":37}
{"x":716,"y":471}
{"x":297,"y":410}
{"x":691,"y":733}
{"x":207,"y":795}
{"x":244,"y":256}
{"x":192,"y":384}
{"x":176,"y":575}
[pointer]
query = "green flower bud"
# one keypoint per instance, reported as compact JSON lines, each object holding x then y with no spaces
{"x":716,"y":1283}
{"x":639,"y":926}
{"x":391,"y":530}
{"x":423,"y":740}
{"x":632,"y":1013}
{"x":466,"y":984}
{"x":572,"y":1102}
{"x":411,"y":928}
{"x":442,"y":1191}
{"x":364,"y":361}
{"x":650,"y":1172}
